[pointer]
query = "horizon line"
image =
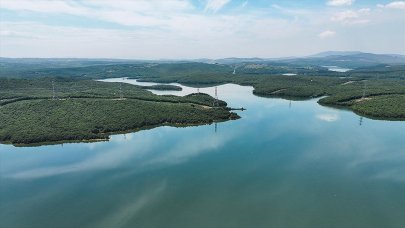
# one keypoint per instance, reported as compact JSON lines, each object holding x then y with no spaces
{"x":198,"y":58}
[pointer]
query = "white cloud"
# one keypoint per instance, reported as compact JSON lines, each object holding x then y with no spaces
{"x":352,"y":17}
{"x":340,"y":2}
{"x":326,"y":34}
{"x":44,"y":6}
{"x":75,"y":7}
{"x":143,"y":6}
{"x":394,"y":5}
{"x":178,"y":29}
{"x":364,"y":11}
{"x":128,"y":13}
{"x":292,"y":11}
{"x":179,"y":36}
{"x":215,"y":5}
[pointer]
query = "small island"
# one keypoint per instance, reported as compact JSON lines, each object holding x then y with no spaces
{"x":163,"y":87}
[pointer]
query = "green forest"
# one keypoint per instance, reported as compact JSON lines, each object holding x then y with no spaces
{"x":90,"y":110}
{"x":40,"y":103}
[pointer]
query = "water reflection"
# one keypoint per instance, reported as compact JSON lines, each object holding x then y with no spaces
{"x":268,"y":167}
{"x":123,"y":216}
{"x":338,"y":69}
{"x":328,"y":117}
{"x":140,"y":149}
{"x":223,"y":92}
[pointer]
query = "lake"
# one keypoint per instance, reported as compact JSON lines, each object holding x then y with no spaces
{"x":283,"y":164}
{"x":338,"y":69}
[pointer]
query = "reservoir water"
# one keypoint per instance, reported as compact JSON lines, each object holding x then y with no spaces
{"x":337,"y":69}
{"x":283,"y":164}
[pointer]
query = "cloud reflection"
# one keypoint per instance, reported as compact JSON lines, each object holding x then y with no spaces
{"x":183,"y":150}
{"x":122,"y":216}
{"x":328,"y":117}
{"x":106,"y":159}
{"x":141,"y":150}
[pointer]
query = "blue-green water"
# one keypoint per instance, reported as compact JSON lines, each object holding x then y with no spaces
{"x":284,"y":164}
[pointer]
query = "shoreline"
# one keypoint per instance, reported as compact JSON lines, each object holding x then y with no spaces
{"x":276,"y":94}
{"x":109,"y":134}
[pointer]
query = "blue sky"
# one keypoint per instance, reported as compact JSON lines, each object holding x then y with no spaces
{"x":176,"y":29}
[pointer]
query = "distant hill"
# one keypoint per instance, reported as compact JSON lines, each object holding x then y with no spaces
{"x":373,"y":58}
{"x":315,"y":64}
{"x":335,"y":53}
{"x":349,"y":59}
{"x":235,"y":60}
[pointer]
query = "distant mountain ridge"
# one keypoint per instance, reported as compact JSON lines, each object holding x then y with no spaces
{"x":334,"y":53}
{"x":356,"y":59}
{"x":349,"y":59}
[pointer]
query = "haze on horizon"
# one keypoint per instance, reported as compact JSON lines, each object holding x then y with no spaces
{"x":181,"y":29}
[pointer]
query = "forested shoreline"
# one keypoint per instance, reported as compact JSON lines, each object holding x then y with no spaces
{"x":56,"y":104}
{"x":30,"y":112}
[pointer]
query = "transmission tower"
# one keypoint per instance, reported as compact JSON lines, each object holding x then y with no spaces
{"x":121,"y":95}
{"x":364,"y":89}
{"x":234,"y":70}
{"x":53,"y":90}
{"x":216,"y":97}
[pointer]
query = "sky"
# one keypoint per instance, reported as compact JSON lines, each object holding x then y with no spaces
{"x":189,"y":29}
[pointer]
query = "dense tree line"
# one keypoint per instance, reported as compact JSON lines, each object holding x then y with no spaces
{"x":77,"y":119}
{"x":85,"y":109}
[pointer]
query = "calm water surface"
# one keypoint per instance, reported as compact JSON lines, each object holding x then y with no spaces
{"x":338,"y":69}
{"x":284,"y":164}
